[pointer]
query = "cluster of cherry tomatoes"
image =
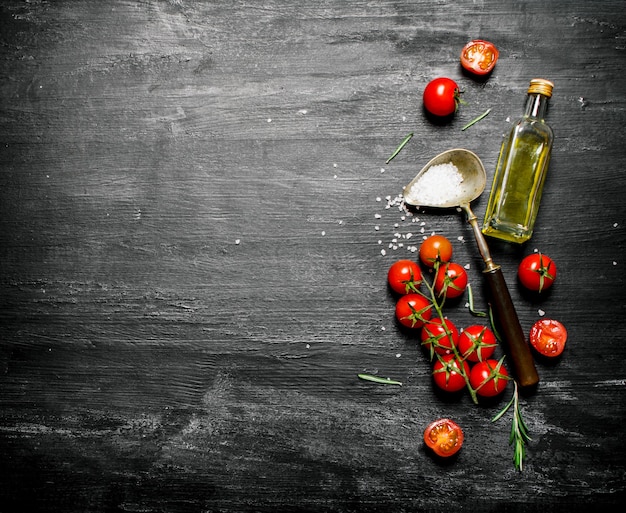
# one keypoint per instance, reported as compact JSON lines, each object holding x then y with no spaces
{"x":459,"y":358}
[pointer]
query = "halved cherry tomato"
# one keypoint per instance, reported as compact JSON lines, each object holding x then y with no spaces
{"x":489,"y":378}
{"x":479,"y":57}
{"x":444,"y":437}
{"x":450,"y":280}
{"x":435,"y":248}
{"x":537,"y":272}
{"x":477,"y":343}
{"x":442,"y":97}
{"x":404,"y":276}
{"x":413,"y":310}
{"x":548,"y":337}
{"x":448,"y":374}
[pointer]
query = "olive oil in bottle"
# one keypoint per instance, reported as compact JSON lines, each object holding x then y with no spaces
{"x":521,"y":170}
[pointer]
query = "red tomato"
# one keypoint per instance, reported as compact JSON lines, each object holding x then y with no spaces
{"x":448,"y":375}
{"x":439,"y":337}
{"x":404,"y":276}
{"x":479,"y":57}
{"x":537,"y":272}
{"x":477,"y":343}
{"x":441,"y":97}
{"x":450,"y":280}
{"x":548,"y":337}
{"x":489,"y":378}
{"x":413,"y":310}
{"x":444,"y":437}
{"x":435,"y":248}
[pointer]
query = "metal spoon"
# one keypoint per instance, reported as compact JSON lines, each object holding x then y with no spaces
{"x":459,"y":193}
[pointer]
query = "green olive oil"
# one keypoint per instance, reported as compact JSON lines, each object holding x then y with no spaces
{"x":521,"y":170}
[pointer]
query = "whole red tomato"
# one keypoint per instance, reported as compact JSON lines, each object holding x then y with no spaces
{"x":435,"y":248}
{"x":404,"y":276}
{"x":441,"y":97}
{"x":548,"y":337}
{"x":477,"y":343}
{"x":444,"y":437}
{"x":448,"y":375}
{"x":450,"y":280}
{"x":489,"y":378}
{"x":479,"y":57}
{"x":439,"y":336}
{"x":413,"y":310}
{"x":537,"y":272}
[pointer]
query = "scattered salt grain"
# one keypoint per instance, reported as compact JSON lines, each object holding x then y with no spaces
{"x":467,"y":266}
{"x":379,"y":198}
{"x":323,"y":233}
{"x":541,"y":313}
{"x":376,"y":227}
{"x":615,"y":225}
{"x":383,"y":252}
{"x":237,"y":241}
{"x":377,"y":216}
{"x":398,"y":355}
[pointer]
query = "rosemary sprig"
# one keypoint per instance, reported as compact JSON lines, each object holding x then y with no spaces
{"x":377,"y":379}
{"x":399,"y":148}
{"x":476,"y":120}
{"x":519,"y":431}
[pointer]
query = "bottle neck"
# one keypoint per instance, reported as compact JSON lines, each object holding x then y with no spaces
{"x":536,"y":106}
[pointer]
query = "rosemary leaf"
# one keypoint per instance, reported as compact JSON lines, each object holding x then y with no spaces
{"x":476,"y":120}
{"x":399,"y":148}
{"x":377,"y":379}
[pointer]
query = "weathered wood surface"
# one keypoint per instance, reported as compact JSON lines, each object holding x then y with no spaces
{"x":191,"y":276}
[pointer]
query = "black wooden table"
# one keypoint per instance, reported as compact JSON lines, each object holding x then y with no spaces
{"x":194,"y":207}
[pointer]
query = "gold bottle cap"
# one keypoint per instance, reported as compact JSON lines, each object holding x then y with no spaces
{"x":540,"y":86}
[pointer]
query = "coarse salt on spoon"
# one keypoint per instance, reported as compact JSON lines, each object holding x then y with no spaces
{"x":454,"y":178}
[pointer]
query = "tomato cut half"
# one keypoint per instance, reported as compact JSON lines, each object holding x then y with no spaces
{"x":444,"y":437}
{"x":548,"y":337}
{"x":479,"y":57}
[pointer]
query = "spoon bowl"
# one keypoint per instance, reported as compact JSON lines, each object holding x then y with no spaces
{"x":434,"y":186}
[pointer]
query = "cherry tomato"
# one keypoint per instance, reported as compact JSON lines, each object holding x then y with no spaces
{"x":477,"y":343}
{"x":435,"y":248}
{"x":548,"y":337}
{"x":479,"y":57}
{"x":537,"y":272}
{"x":404,"y":276}
{"x":413,"y":310}
{"x":439,"y":337}
{"x":441,"y":97}
{"x":450,"y":280}
{"x":448,"y":375}
{"x":489,"y":378}
{"x":444,"y":437}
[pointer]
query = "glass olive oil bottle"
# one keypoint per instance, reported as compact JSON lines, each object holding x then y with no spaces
{"x":521,"y":170}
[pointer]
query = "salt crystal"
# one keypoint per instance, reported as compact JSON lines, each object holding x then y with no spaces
{"x":541,"y":312}
{"x":376,"y":227}
{"x":383,"y":252}
{"x":440,"y":184}
{"x":237,"y":241}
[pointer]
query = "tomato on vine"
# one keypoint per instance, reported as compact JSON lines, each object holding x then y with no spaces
{"x":439,"y":336}
{"x":477,"y":343}
{"x":489,"y":378}
{"x":404,"y":276}
{"x":448,"y":374}
{"x":444,"y":437}
{"x":413,"y":310}
{"x":450,"y":280}
{"x":435,"y":248}
{"x":537,"y":272}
